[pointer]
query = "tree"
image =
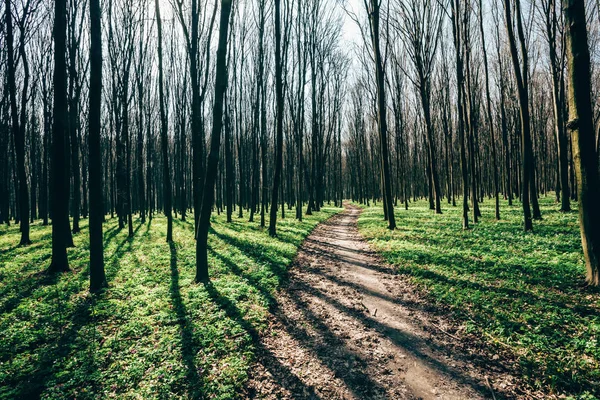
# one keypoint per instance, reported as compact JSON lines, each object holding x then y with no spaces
{"x":488,"y":103}
{"x":373,"y":11}
{"x":420,"y":25}
{"x":552,"y":32}
{"x":582,"y":133}
{"x":18,"y":126}
{"x":456,"y":33}
{"x":279,"y":128}
{"x":199,"y":90}
{"x":221,"y":79}
{"x":60,"y":190}
{"x":167,"y":189}
{"x":522,"y":78}
{"x":97,"y":275}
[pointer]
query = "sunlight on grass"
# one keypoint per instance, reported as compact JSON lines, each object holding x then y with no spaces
{"x":523,"y":290}
{"x":154,"y":333}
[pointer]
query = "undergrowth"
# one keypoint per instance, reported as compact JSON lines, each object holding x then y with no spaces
{"x":153,"y":333}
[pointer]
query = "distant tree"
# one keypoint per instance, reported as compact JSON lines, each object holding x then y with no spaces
{"x":456,"y":17}
{"x":521,"y":71}
{"x":488,"y":108}
{"x":420,"y":24}
{"x":553,"y":32}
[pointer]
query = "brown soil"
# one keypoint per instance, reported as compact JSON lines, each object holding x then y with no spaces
{"x":347,"y":327}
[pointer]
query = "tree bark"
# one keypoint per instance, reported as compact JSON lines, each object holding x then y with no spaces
{"x":523,"y":96}
{"x":381,"y":106}
{"x":582,"y":133}
{"x":279,"y":128}
{"x":18,"y":127}
{"x":60,"y":189}
{"x":97,"y":275}
{"x":167,"y":189}
{"x":215,"y":144}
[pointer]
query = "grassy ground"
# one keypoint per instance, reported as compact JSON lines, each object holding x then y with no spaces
{"x":524,"y":291}
{"x":153,"y":333}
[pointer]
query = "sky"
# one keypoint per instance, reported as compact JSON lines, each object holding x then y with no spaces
{"x":351,"y":32}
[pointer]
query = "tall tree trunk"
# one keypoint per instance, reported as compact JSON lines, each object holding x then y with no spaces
{"x":60,"y":189}
{"x":582,"y":131}
{"x":229,"y":167}
{"x":97,"y":275}
{"x":456,"y":32}
{"x":164,"y":139}
{"x":18,"y":128}
{"x":215,"y":144}
{"x":489,"y":113}
{"x":382,"y":120}
{"x":523,"y":95}
{"x":279,"y":128}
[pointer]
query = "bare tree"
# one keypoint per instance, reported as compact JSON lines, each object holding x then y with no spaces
{"x":221,"y":79}
{"x":420,"y":23}
{"x":521,"y":71}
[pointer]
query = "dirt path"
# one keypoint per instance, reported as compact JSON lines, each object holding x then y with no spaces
{"x":347,"y":327}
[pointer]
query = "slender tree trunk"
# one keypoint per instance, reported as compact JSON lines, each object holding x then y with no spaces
{"x":18,"y":128}
{"x":213,"y":157}
{"x":489,"y":113}
{"x":456,"y":25}
{"x":229,"y":167}
{"x":167,"y":189}
{"x":279,"y":128}
{"x":382,"y":119}
{"x":523,"y":95}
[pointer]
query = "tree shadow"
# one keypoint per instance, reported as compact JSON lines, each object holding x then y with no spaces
{"x":360,"y":383}
{"x":109,"y":234}
{"x":122,"y":248}
{"x":280,"y":372}
{"x":60,"y":341}
{"x":407,"y":341}
{"x":24,"y":288}
{"x":188,"y":347}
{"x":55,"y":352}
{"x":256,"y":251}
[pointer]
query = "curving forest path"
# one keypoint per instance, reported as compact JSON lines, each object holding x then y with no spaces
{"x":346,"y":327}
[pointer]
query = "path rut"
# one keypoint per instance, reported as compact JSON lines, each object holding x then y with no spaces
{"x":347,"y":327}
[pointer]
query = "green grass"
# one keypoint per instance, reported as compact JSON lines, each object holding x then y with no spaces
{"x":154,"y":333}
{"x":522,"y":290}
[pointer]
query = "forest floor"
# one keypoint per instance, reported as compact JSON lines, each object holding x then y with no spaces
{"x":346,"y":326}
{"x":153,"y":333}
{"x":516,"y":300}
{"x":428,"y":311}
{"x":487,"y":313}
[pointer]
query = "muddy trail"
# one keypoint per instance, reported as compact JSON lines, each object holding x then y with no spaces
{"x":347,"y":327}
